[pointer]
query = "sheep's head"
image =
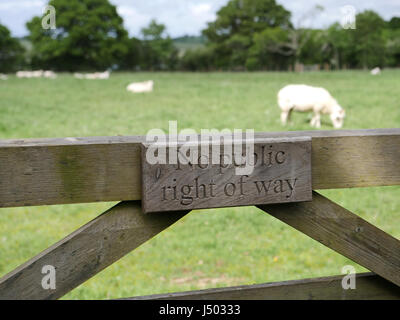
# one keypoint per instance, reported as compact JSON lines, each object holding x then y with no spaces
{"x":337,"y":116}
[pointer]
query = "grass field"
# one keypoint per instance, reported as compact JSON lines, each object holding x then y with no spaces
{"x":208,"y":248}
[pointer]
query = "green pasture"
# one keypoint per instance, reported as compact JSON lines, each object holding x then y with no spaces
{"x":208,"y":248}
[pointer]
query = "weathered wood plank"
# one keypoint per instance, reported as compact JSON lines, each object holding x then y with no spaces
{"x":87,"y":251}
{"x":278,"y":172}
{"x":368,"y":287}
{"x":69,"y":174}
{"x":344,"y":232}
{"x":363,"y":161}
{"x":73,"y":170}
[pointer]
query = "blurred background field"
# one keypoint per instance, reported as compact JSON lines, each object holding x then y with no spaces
{"x":208,"y":248}
{"x":72,"y":107}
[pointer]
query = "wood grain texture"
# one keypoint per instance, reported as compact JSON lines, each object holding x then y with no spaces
{"x":344,"y":232}
{"x":74,"y":170}
{"x":87,"y":251}
{"x":279,"y":172}
{"x":368,"y":287}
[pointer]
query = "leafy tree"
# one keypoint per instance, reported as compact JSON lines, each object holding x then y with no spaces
{"x":392,"y":42}
{"x":296,"y":38}
{"x":134,"y":57}
{"x":11,"y":52}
{"x":368,"y":39}
{"x":201,"y":59}
{"x":264,"y":53}
{"x":338,"y":45}
{"x":89,"y":35}
{"x":232,"y":34}
{"x":315,"y":50}
{"x":394,"y":23}
{"x":283,"y":46}
{"x":353,"y":48}
{"x":392,"y":47}
{"x":159,"y":52}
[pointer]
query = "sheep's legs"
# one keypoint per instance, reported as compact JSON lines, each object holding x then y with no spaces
{"x":285,"y":117}
{"x":316,"y":120}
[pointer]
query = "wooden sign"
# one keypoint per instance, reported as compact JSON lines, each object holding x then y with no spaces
{"x":280,"y":172}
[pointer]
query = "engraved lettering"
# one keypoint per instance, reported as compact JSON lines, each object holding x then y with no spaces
{"x":279,"y":174}
{"x":212,"y":184}
{"x":278,"y":186}
{"x":241,"y":182}
{"x":291,"y":186}
{"x":261,"y":185}
{"x":203,"y":186}
{"x":280,"y":155}
{"x":231,"y":190}
{"x":186,"y":200}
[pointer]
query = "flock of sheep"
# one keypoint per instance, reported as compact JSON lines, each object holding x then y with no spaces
{"x":136,"y":87}
{"x":93,"y":76}
{"x":301,"y":98}
{"x":36,"y":74}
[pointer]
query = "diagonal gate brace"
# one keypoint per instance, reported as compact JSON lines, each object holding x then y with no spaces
{"x":343,"y":231}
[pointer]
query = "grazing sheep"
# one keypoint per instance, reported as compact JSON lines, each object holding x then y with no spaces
{"x":79,"y":75}
{"x":138,"y":87}
{"x":23,"y":74}
{"x":376,"y":71}
{"x":103,"y":75}
{"x":37,"y":73}
{"x":30,"y":74}
{"x":49,"y":74}
{"x":93,"y":76}
{"x":3,"y":76}
{"x":306,"y":98}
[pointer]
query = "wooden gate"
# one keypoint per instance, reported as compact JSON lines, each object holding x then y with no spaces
{"x":81,"y":170}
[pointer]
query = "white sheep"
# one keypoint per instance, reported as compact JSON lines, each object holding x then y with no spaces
{"x":3,"y":76}
{"x":37,"y":73}
{"x":23,"y":74}
{"x":376,"y":71}
{"x":79,"y":75}
{"x":306,"y":98}
{"x":30,"y":74}
{"x":138,"y":87}
{"x":49,"y":74}
{"x":93,"y":76}
{"x":103,"y":75}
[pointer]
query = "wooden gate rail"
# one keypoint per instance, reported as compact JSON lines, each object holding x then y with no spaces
{"x":79,"y":170}
{"x":369,"y":287}
{"x":87,"y":251}
{"x":54,"y":171}
{"x":346,"y":233}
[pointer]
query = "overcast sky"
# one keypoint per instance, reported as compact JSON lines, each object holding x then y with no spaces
{"x":191,"y":16}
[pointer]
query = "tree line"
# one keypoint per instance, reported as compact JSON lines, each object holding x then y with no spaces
{"x":246,"y":35}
